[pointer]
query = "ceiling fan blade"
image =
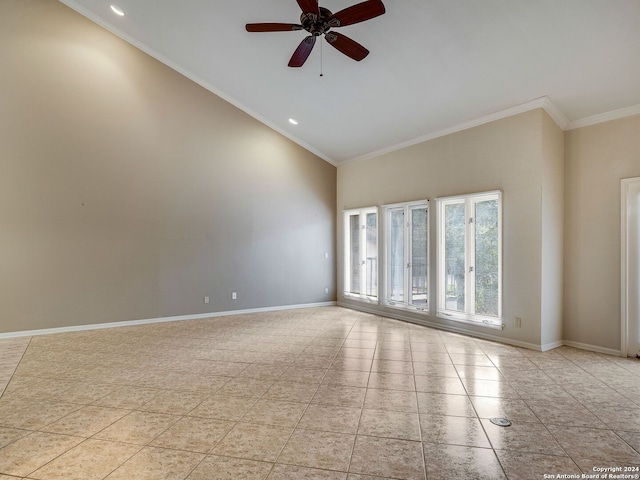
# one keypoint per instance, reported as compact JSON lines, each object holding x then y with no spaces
{"x":344,"y":44}
{"x":309,"y":6}
{"x":272,"y":27}
{"x":357,"y":13}
{"x":302,"y":52}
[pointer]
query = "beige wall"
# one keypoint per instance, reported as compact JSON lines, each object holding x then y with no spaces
{"x":552,"y":232}
{"x":508,"y":155}
{"x":597,"y":158}
{"x":128,"y":192}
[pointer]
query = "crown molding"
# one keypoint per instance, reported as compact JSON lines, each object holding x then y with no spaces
{"x":555,"y":113}
{"x":543,"y":102}
{"x":604,"y":117}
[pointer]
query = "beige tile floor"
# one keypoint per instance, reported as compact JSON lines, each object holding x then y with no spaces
{"x":323,"y":393}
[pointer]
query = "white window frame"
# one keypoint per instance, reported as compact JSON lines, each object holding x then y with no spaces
{"x":406,"y":304}
{"x":468,"y":315}
{"x":362,"y":212}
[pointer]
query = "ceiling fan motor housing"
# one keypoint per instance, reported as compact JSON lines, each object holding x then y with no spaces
{"x":318,"y":25}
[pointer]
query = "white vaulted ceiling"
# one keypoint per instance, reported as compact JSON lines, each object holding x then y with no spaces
{"x":435,"y":65}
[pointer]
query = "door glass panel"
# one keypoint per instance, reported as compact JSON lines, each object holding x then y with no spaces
{"x":372,"y":255}
{"x":354,"y":254}
{"x":396,"y":255}
{"x":486,"y":261}
{"x":454,"y":232}
{"x":419,"y":238}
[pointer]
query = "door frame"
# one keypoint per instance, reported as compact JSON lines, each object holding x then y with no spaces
{"x":626,"y":185}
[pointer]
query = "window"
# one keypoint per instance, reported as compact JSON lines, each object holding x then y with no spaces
{"x":407,"y":227}
{"x":361,"y":253}
{"x":470,"y":258}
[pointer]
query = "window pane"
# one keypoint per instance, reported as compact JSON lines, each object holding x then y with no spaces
{"x":454,"y":231}
{"x":396,"y":255}
{"x":372,"y":255}
{"x":487,"y":267}
{"x":419,"y":256}
{"x":354,"y":254}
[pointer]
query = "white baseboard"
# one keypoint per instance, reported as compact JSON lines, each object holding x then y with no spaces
{"x":516,"y":343}
{"x":129,"y":323}
{"x":551,"y":346}
{"x":447,"y":328}
{"x":362,"y":308}
{"x":592,"y":348}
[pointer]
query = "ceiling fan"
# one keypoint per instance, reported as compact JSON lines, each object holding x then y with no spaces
{"x":319,"y":21}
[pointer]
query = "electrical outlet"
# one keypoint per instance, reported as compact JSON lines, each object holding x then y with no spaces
{"x":517,"y":322}
{"x":206,"y":299}
{"x":234,"y":295}
{"x":326,"y":289}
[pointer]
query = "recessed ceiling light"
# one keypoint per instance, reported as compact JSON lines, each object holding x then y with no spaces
{"x":117,"y":10}
{"x":293,"y":121}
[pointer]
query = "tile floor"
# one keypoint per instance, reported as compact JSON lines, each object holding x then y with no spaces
{"x":323,"y":393}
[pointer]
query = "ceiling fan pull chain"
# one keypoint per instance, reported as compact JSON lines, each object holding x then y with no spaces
{"x":321,"y":59}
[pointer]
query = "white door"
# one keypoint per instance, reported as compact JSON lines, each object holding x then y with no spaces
{"x":630,"y":267}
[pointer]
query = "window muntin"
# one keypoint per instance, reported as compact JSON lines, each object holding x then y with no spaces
{"x":361,"y":253}
{"x":470,"y":258}
{"x":406,"y":265}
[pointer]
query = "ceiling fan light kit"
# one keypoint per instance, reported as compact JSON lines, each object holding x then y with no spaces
{"x":318,"y":21}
